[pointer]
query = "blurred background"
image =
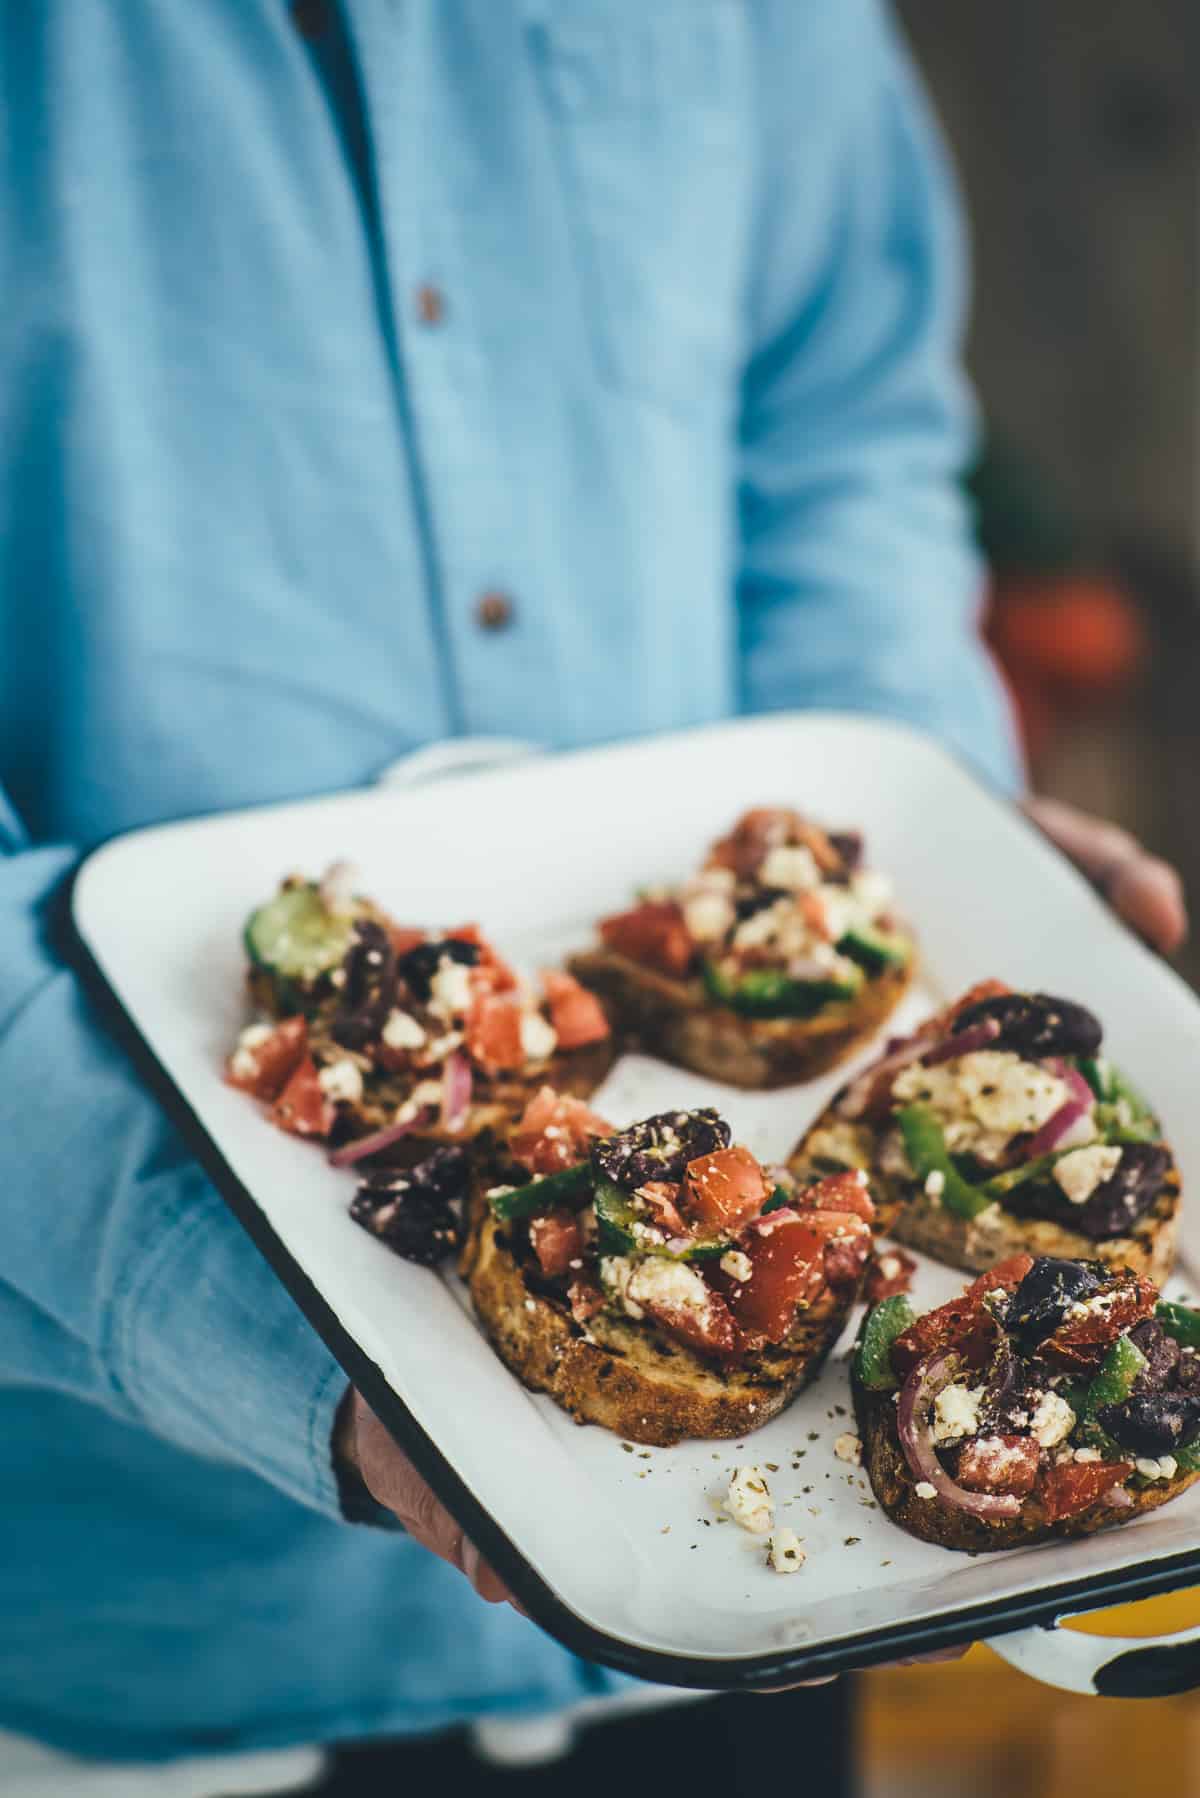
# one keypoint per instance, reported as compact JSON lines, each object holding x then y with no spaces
{"x":1076,"y":126}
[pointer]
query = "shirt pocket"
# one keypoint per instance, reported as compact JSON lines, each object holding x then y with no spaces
{"x":645,"y":123}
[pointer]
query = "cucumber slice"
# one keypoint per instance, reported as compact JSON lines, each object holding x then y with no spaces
{"x":874,"y":950}
{"x":770,"y":993}
{"x":296,"y":937}
{"x":568,"y":1187}
{"x":617,"y":1216}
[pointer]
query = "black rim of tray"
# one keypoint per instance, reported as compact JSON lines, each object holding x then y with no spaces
{"x":992,"y":1617}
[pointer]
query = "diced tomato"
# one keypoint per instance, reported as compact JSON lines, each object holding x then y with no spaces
{"x":848,"y":1242}
{"x":999,"y":1464}
{"x":710,"y":1328}
{"x":1081,"y":1343}
{"x":815,"y":913}
{"x":405,"y":937}
{"x":1070,"y":1487}
{"x":555,"y":1131}
{"x":491,"y":973}
{"x":660,"y":1196}
{"x":493,"y":1033}
{"x":577,"y":1015}
{"x":265,"y":1069}
{"x":839,"y":1192}
{"x":766,"y":827}
{"x":556,"y":1239}
{"x":585,"y":1299}
{"x":787,"y":1269}
{"x":890,"y":1273}
{"x":653,"y":934}
{"x":302,"y":1107}
{"x":963,"y":1324}
{"x":722,"y":1191}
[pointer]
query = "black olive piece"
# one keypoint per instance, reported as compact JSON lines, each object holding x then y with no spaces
{"x":1045,"y":1296}
{"x":417,"y":966}
{"x":1162,"y":1356}
{"x":849,"y":845}
{"x":1156,"y":1424}
{"x":415,"y":1225}
{"x":1127,"y":1194}
{"x":757,"y":901}
{"x":660,"y":1147}
{"x":368,"y":989}
{"x":1036,"y":1024}
{"x":443,"y":1174}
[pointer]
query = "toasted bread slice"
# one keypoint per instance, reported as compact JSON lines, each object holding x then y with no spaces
{"x":910,"y":1216}
{"x":630,"y":1377}
{"x":678,"y":1020}
{"x":932,"y":1520}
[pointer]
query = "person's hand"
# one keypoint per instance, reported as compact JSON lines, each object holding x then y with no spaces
{"x":1141,"y":888}
{"x":362,"y":1444}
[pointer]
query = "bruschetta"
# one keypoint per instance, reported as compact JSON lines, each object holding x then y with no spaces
{"x":1053,"y":1398}
{"x":657,"y":1280}
{"x":1000,"y":1126}
{"x":769,"y":966}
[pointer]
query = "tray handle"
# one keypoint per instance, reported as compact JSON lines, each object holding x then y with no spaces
{"x":1105,"y":1666}
{"x":454,"y":755}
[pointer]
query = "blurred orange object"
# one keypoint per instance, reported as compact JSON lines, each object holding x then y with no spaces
{"x":1079,"y":633}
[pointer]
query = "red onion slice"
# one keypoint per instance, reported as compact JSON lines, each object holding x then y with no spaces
{"x":1119,"y":1496}
{"x":916,"y":1439}
{"x":362,"y":1146}
{"x":336,"y":887}
{"x":456,"y":1091}
{"x":858,"y":1094}
{"x":1069,"y":1112}
{"x":967,"y":1042}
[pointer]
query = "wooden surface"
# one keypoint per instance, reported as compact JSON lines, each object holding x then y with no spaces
{"x":1076,"y":126}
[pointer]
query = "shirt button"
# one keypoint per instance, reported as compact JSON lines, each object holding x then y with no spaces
{"x":493,"y":611}
{"x":431,"y":305}
{"x":310,"y":17}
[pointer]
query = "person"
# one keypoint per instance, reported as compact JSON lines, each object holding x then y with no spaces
{"x":372,"y":374}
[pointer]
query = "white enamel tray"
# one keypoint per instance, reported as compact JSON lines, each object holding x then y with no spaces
{"x":619,"y":1552}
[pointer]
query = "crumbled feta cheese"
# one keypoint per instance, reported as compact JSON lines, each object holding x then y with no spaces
{"x":708,"y":916}
{"x":873,"y":892}
{"x":737,"y":1265}
{"x":785,"y":1553}
{"x":761,"y":927}
{"x":924,"y":1489}
{"x":450,"y":989}
{"x":1052,"y":1420}
{"x":1083,"y":1170}
{"x":956,"y":1413}
{"x":1162,"y":1469}
{"x":982,"y":1100}
{"x":791,"y":867}
{"x":402,"y":1031}
{"x":342,"y":1082}
{"x":538,"y":1038}
{"x":849,"y":1448}
{"x":243,"y":1063}
{"x":748,"y":1500}
{"x":671,"y":1284}
{"x":255,"y":1035}
{"x":1087,"y":1454}
{"x":935,"y":1183}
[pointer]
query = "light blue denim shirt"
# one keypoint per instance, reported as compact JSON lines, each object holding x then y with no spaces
{"x":642,"y":316}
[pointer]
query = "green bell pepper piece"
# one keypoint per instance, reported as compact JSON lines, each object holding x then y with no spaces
{"x":565,"y":1188}
{"x":778,"y":1199}
{"x":925,"y":1146}
{"x":1179,"y":1321}
{"x":889,"y":1319}
{"x":1119,"y":1372}
{"x":874,"y":950}
{"x":770,"y":993}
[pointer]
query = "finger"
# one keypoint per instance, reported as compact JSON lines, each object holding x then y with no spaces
{"x":1148,"y":895}
{"x":1094,"y":845}
{"x":394,"y":1482}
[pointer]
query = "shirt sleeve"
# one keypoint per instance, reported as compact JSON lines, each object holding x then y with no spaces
{"x":124,"y":1279}
{"x":859,"y":583}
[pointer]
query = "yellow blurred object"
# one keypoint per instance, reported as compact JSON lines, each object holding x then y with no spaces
{"x":975,"y":1728}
